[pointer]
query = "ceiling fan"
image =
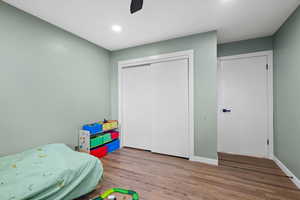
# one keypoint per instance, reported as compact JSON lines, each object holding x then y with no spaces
{"x":136,"y":5}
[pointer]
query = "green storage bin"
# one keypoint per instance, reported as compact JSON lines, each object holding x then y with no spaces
{"x":100,"y":140}
{"x":106,"y":138}
{"x":97,"y":141}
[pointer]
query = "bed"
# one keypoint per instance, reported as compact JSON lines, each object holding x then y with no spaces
{"x":51,"y":172}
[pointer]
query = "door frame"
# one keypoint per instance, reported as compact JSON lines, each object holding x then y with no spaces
{"x":269,"y":55}
{"x":189,"y":54}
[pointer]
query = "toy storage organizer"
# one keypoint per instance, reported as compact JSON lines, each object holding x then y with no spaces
{"x":100,"y":138}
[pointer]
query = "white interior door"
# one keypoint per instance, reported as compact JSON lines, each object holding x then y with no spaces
{"x":137,"y":101}
{"x":243,"y":106}
{"x":170,"y":111}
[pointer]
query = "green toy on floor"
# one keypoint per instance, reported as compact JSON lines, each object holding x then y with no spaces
{"x":108,"y":195}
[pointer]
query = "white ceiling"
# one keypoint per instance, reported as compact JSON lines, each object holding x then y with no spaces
{"x":161,"y":19}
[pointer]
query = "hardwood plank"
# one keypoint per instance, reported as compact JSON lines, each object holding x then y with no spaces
{"x":275,"y":180}
{"x":261,"y":162}
{"x":254,"y":168}
{"x":159,"y":177}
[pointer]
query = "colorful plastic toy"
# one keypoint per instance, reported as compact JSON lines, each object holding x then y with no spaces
{"x":106,"y":194}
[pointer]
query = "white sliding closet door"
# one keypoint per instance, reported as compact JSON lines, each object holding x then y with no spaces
{"x":136,"y":110}
{"x":170,"y":115}
{"x":155,"y":107}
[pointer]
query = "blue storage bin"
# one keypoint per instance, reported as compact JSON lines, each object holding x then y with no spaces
{"x":113,"y":146}
{"x":93,"y":128}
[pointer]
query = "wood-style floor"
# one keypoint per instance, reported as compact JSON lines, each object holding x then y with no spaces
{"x":159,"y":177}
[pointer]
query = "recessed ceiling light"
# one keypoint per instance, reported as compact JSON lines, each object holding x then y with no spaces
{"x":116,"y":28}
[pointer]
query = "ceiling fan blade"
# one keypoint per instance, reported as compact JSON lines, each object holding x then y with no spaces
{"x":136,"y":5}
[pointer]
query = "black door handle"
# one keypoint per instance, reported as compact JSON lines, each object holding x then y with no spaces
{"x":226,"y":110}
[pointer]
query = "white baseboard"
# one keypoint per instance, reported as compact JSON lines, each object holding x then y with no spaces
{"x":295,"y":180}
{"x":204,"y":160}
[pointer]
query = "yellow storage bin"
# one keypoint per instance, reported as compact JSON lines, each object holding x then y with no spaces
{"x":111,"y":124}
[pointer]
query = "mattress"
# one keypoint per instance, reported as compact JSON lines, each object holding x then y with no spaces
{"x":51,"y":172}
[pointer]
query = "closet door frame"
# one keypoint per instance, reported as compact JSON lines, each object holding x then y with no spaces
{"x":189,"y":55}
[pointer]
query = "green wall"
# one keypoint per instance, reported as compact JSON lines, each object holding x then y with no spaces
{"x":286,"y":93}
{"x":245,"y":46}
{"x":205,"y":52}
{"x":51,"y":82}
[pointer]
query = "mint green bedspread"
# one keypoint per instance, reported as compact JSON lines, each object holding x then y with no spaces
{"x":51,"y":172}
